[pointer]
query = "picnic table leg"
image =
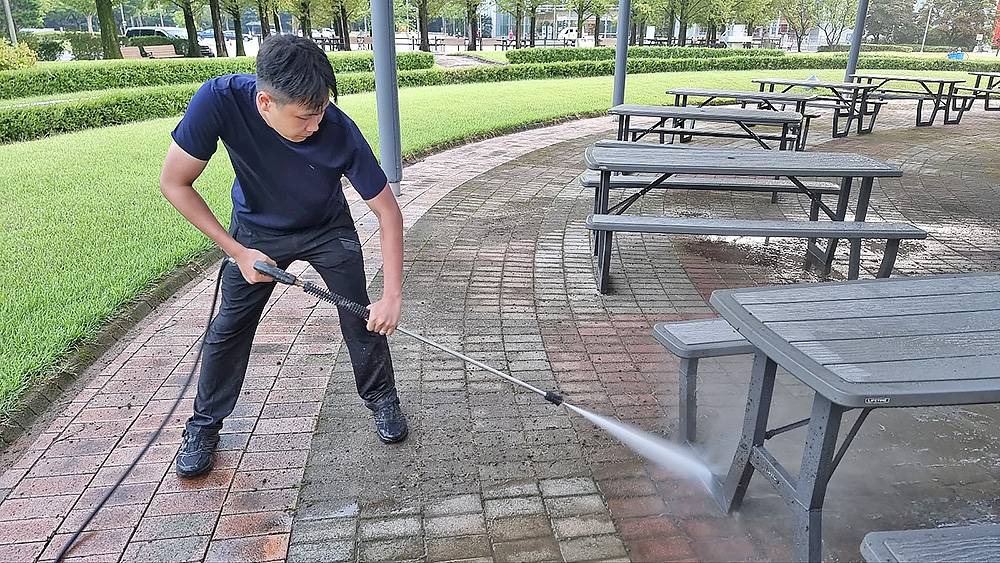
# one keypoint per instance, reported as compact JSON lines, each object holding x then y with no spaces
{"x":603,"y":260}
{"x":825,"y":257}
{"x":688,"y":423}
{"x":952,"y":105}
{"x":814,"y":474}
{"x":864,"y":196}
{"x":754,"y":430}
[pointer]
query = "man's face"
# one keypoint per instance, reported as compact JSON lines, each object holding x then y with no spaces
{"x":294,"y":122}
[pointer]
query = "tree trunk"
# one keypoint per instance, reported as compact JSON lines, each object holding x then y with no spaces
{"x":671,"y":20}
{"x":640,"y":28}
{"x":90,"y":23}
{"x":220,"y":38}
{"x":422,"y":17}
{"x":277,"y":22}
{"x":265,"y":26}
{"x":238,"y":25}
{"x":682,"y":33}
{"x":194,"y":50}
{"x":347,"y":27}
{"x":304,"y":20}
{"x":518,"y":25}
{"x":471,"y":13}
{"x":109,"y":30}
{"x":532,"y":21}
{"x":597,"y":31}
{"x":579,"y":26}
{"x":798,"y":41}
{"x":631,"y":32}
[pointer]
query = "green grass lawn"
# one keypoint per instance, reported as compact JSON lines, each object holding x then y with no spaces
{"x":86,"y":228}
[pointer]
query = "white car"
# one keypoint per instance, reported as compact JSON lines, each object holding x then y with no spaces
{"x":171,"y":33}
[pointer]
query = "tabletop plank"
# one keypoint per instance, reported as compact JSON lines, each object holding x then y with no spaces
{"x":864,"y":349}
{"x":920,"y":371}
{"x":880,"y":327}
{"x":762,"y":116}
{"x":736,"y":162}
{"x":868,"y":289}
{"x":743,"y":94}
{"x":909,"y":78}
{"x":814,"y":83}
{"x":884,"y":307}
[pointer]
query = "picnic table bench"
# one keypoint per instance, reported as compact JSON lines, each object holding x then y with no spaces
{"x":939,"y":92}
{"x":665,"y":163}
{"x":850,"y":101}
{"x":683,"y":119}
{"x":896,"y":343}
{"x":976,"y":543}
{"x":986,"y":88}
{"x":161,"y":52}
{"x":774,"y":101}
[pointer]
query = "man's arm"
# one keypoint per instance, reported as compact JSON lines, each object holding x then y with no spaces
{"x":384,"y":314}
{"x":180,"y":170}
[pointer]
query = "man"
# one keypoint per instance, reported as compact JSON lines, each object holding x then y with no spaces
{"x":289,"y":147}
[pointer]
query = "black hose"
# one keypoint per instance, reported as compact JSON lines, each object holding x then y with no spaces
{"x":166,"y":420}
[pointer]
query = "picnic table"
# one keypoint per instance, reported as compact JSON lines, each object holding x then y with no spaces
{"x":851,"y":101}
{"x":890,"y":343}
{"x":683,"y":119}
{"x":940,"y":92}
{"x":664,"y":162}
{"x":774,"y":101}
{"x":987,"y":87}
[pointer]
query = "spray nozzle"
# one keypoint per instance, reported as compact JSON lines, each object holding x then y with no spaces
{"x":553,"y":397}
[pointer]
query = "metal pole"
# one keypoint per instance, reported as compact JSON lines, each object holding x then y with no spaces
{"x":930,"y":7}
{"x":387,"y":91}
{"x":856,"y":37}
{"x":621,"y":51}
{"x":10,"y":23}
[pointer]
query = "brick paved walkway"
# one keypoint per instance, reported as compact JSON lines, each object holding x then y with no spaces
{"x":498,"y":264}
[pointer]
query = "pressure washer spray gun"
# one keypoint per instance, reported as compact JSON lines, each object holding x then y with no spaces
{"x":345,"y":304}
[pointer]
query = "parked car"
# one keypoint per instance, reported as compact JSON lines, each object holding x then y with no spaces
{"x":168,"y":32}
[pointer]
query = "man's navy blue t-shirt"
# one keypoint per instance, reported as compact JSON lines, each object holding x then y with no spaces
{"x":280,"y":184}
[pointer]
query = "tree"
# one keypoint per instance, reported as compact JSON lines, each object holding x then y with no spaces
{"x":220,"y":38}
{"x":472,"y":16}
{"x":582,"y":9}
{"x":688,"y":11}
{"x":887,"y":19}
{"x":800,"y":15}
{"x":834,"y":16}
{"x":26,"y":13}
{"x":264,"y":10}
{"x":235,"y":10}
{"x":755,"y":13}
{"x":426,"y":9}
{"x":598,"y":8}
{"x":302,"y":9}
{"x":531,"y":7}
{"x":86,"y":8}
{"x":188,"y":9}
{"x":109,"y":29}
{"x":957,"y":22}
{"x":516,"y":9}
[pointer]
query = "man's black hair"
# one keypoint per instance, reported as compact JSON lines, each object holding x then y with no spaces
{"x":294,"y":69}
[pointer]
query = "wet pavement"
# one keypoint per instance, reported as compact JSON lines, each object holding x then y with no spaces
{"x":498,"y":265}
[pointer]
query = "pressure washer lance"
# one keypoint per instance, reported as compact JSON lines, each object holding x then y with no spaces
{"x":352,"y":307}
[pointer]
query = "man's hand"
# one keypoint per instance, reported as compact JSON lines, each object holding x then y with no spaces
{"x":383,"y":315}
{"x":246,"y":258}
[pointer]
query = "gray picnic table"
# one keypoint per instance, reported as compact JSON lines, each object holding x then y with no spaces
{"x":987,"y":87}
{"x":851,"y":100}
{"x":940,"y":92}
{"x":889,"y":343}
{"x":664,"y":162}
{"x":774,"y":101}
{"x":682,"y":121}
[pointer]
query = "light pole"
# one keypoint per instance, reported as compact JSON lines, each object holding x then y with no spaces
{"x":10,"y":23}
{"x":930,"y":6}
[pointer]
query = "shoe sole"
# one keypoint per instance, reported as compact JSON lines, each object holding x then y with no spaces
{"x":192,"y":474}
{"x":393,"y":441}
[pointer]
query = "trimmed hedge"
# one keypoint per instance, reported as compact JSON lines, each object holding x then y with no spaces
{"x":32,"y":122}
{"x":61,"y":78}
{"x":865,"y":47}
{"x":567,"y":54}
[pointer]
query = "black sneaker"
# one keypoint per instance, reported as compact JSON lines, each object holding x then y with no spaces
{"x":196,"y":455}
{"x":390,"y":422}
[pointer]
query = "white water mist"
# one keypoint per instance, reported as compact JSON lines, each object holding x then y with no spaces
{"x":661,"y":452}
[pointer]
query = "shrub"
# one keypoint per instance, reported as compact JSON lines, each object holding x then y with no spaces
{"x":85,"y":46}
{"x":61,"y":78}
{"x":865,"y":47}
{"x":13,"y":58}
{"x":47,"y":46}
{"x":566,"y":54}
